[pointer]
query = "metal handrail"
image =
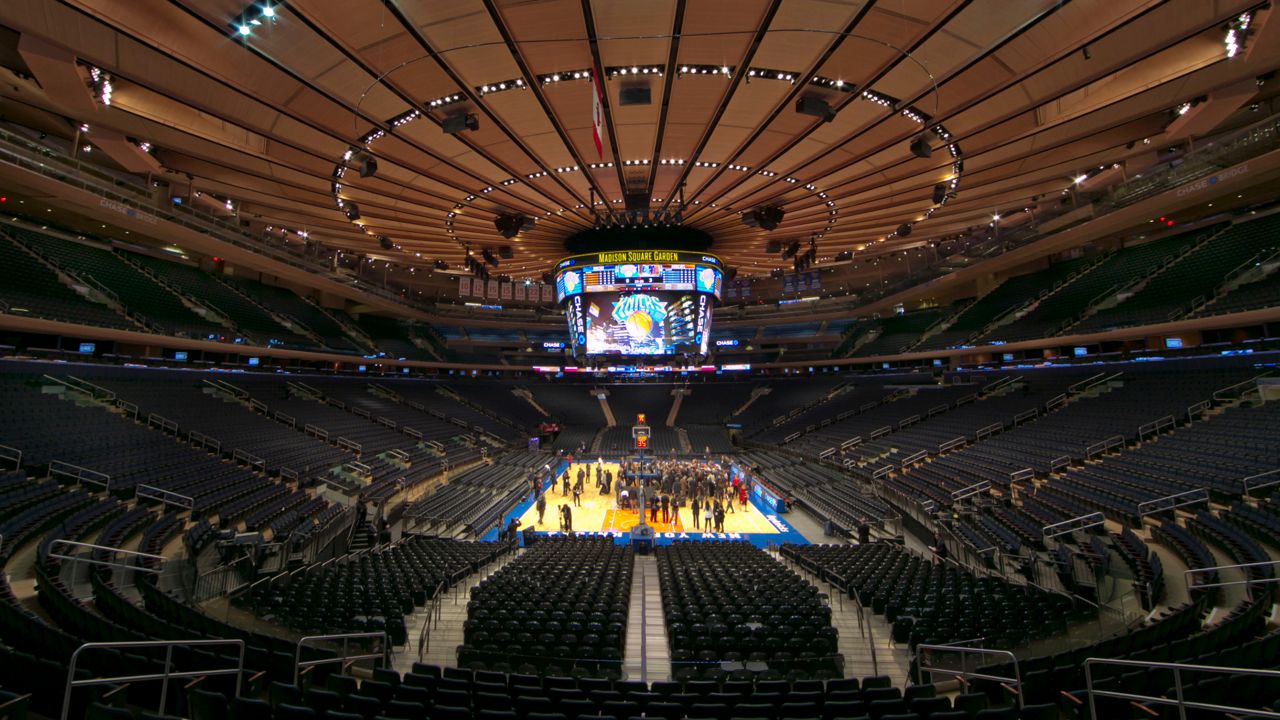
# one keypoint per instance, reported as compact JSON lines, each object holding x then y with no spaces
{"x":1250,"y":487}
{"x":1260,"y":581}
{"x":1176,"y":500}
{"x":1179,"y":700}
{"x":1082,"y":522}
{"x":164,"y":677}
{"x":152,"y":568}
{"x":299,"y":663}
{"x":11,"y":453}
{"x":963,"y":673}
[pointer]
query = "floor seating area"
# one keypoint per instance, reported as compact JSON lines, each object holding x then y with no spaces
{"x":733,"y":611}
{"x":560,"y":609}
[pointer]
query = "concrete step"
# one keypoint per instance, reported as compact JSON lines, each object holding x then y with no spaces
{"x":647,"y":655}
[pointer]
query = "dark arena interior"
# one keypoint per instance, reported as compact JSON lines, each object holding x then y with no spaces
{"x":639,"y":359}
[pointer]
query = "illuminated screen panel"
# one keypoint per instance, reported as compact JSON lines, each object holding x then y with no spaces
{"x":639,"y":323}
{"x":647,"y":270}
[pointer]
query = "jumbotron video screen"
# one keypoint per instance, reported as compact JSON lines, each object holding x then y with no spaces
{"x":649,"y":302}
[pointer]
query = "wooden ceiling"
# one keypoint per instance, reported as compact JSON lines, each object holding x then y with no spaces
{"x":1030,"y":94}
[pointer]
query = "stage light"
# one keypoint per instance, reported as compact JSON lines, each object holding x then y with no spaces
{"x":904,"y":230}
{"x":1080,"y":178}
{"x":353,"y":211}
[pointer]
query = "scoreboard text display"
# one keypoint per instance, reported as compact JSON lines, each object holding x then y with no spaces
{"x":639,"y":302}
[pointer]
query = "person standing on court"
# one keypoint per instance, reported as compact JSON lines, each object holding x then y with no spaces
{"x":542,"y":507}
{"x":568,"y":520}
{"x":695,"y":507}
{"x":666,"y":508}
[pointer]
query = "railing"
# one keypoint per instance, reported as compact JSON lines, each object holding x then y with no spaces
{"x":1055,"y":402}
{"x":1026,"y":415}
{"x":400,"y":455}
{"x":357,"y":467}
{"x":907,"y":421}
{"x":204,"y":441}
{"x":971,"y":397}
{"x":1179,"y":699}
{"x":790,"y":438}
{"x":1169,"y":502}
{"x":162,"y":422}
{"x":1086,"y":383}
{"x":1082,"y":522}
{"x":434,"y":612}
{"x":79,"y":474}
{"x":351,"y":445}
{"x":1256,"y":482}
{"x":1198,"y":409}
{"x":1155,"y":427}
{"x":914,"y":458}
{"x":1058,"y":463}
{"x":303,"y":388}
{"x":345,"y":656}
{"x":289,"y":474}
{"x":851,"y":442}
{"x":952,"y":444}
{"x":1238,"y":390}
{"x":388,"y":422}
{"x":970,"y":491}
{"x":164,"y":677}
{"x":259,"y":406}
{"x":168,"y":497}
{"x":227,"y":388}
{"x":97,"y":391}
{"x":881,"y":432}
{"x":925,"y":655}
{"x":415,"y":434}
{"x":1020,"y":475}
{"x":937,"y":409}
{"x":316,"y":431}
{"x":286,"y":419}
{"x":1241,"y":566}
{"x":13,"y":455}
{"x":882,"y":472}
{"x":62,"y":549}
{"x":129,"y":408}
{"x":1104,"y":446}
{"x":991,"y":429}
{"x":361,"y":412}
{"x":250,"y":460}
{"x":826,"y":453}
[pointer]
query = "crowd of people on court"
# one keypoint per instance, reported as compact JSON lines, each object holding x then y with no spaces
{"x":708,"y":488}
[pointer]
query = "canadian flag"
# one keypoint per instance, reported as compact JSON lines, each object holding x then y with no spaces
{"x":597,"y":116}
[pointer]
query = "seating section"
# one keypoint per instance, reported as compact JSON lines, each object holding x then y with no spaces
{"x":899,"y":332}
{"x":249,"y":318}
{"x":29,"y":288}
{"x":475,"y":499}
{"x":1013,"y":293}
{"x":1263,"y":293}
{"x":939,"y":604}
{"x":393,"y":337}
{"x":287,"y":304}
{"x":559,"y":609}
{"x":1119,"y":270}
{"x":730,"y":606}
{"x":139,"y":294}
{"x":370,"y":592}
{"x":1172,"y":293}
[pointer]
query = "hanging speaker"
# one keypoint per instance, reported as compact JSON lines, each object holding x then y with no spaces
{"x":920,"y":147}
{"x":368,"y":167}
{"x":904,"y":229}
{"x":353,"y":211}
{"x":939,"y":193}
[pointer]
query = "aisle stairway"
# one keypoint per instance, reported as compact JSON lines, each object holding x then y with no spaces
{"x":858,"y":639}
{"x":648,"y":655}
{"x":446,"y":631}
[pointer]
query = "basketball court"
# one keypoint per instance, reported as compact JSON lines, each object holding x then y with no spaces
{"x":599,"y":515}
